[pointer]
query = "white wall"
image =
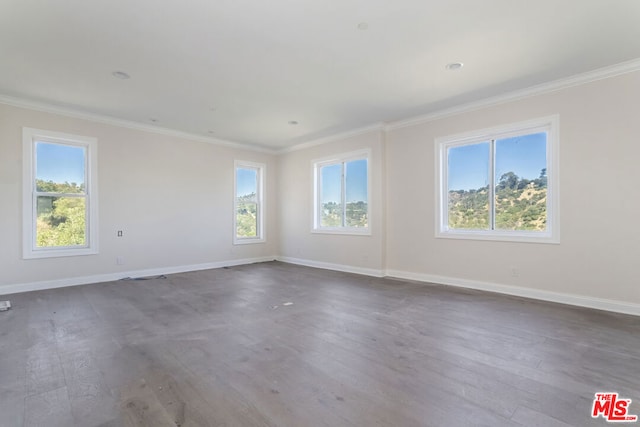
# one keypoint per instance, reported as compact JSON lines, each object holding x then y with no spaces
{"x":172,"y":197}
{"x":600,"y":203}
{"x":297,"y":242}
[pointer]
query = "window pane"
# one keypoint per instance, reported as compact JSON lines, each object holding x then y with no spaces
{"x":246,"y":202}
{"x":60,"y":168}
{"x":521,"y":182}
{"x":246,"y":219}
{"x":356,"y":193}
{"x":468,"y":186}
{"x":61,"y":221}
{"x":331,"y":196}
{"x":247,"y":183}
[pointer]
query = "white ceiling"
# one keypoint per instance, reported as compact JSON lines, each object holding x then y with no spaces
{"x":240,"y":70}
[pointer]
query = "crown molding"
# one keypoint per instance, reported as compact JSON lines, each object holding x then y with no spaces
{"x":128,"y":124}
{"x":334,"y":137}
{"x":553,"y":86}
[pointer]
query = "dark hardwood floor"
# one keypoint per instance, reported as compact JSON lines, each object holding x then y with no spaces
{"x":222,"y":348}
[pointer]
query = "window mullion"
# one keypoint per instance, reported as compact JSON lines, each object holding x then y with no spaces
{"x":48,"y":194}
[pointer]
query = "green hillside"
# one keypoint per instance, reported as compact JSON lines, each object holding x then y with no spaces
{"x":61,"y":220}
{"x":520,"y":205}
{"x":355,"y":215}
{"x":247,"y":216}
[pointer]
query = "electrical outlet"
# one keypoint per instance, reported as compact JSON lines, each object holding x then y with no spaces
{"x":119,"y":234}
{"x":515,"y":271}
{"x":120,"y":260}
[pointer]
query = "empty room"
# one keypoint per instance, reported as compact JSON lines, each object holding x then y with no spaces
{"x":298,"y":213}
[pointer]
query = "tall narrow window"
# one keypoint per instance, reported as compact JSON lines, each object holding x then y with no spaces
{"x":60,"y":194}
{"x":341,"y":202}
{"x":500,"y":184}
{"x":249,"y":203}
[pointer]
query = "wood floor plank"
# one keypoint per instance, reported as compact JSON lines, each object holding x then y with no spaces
{"x":530,"y":418}
{"x":43,"y":370}
{"x":48,"y":409}
{"x":273,"y":344}
{"x":12,"y":409}
{"x":89,"y":397}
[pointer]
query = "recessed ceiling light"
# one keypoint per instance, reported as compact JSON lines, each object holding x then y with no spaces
{"x":293,"y":122}
{"x":454,"y":66}
{"x":121,"y":75}
{"x":363,"y":26}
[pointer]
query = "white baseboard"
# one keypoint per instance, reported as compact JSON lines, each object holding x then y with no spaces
{"x":538,"y":294}
{"x":557,"y":297}
{"x":108,"y":277}
{"x":330,"y":266}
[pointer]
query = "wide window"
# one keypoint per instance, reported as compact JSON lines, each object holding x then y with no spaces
{"x":60,"y":194}
{"x":500,"y":184}
{"x":341,"y":202}
{"x":249,"y":203}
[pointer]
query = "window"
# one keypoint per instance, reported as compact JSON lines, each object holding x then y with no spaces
{"x":499,"y":184}
{"x":60,"y":194}
{"x":341,"y":202}
{"x":249,"y":203}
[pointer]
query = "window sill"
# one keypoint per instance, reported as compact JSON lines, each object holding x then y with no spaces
{"x":342,"y":231}
{"x":519,"y":237}
{"x":58,"y":253}
{"x":248,"y":241}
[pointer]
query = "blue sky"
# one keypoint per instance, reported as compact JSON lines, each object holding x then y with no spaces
{"x":246,"y":181}
{"x":60,"y":163}
{"x":524,"y":155}
{"x":356,"y":184}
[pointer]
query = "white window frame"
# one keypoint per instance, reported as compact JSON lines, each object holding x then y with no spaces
{"x":261,"y":235}
{"x":550,"y":125}
{"x":29,"y":199}
{"x":317,"y":165}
